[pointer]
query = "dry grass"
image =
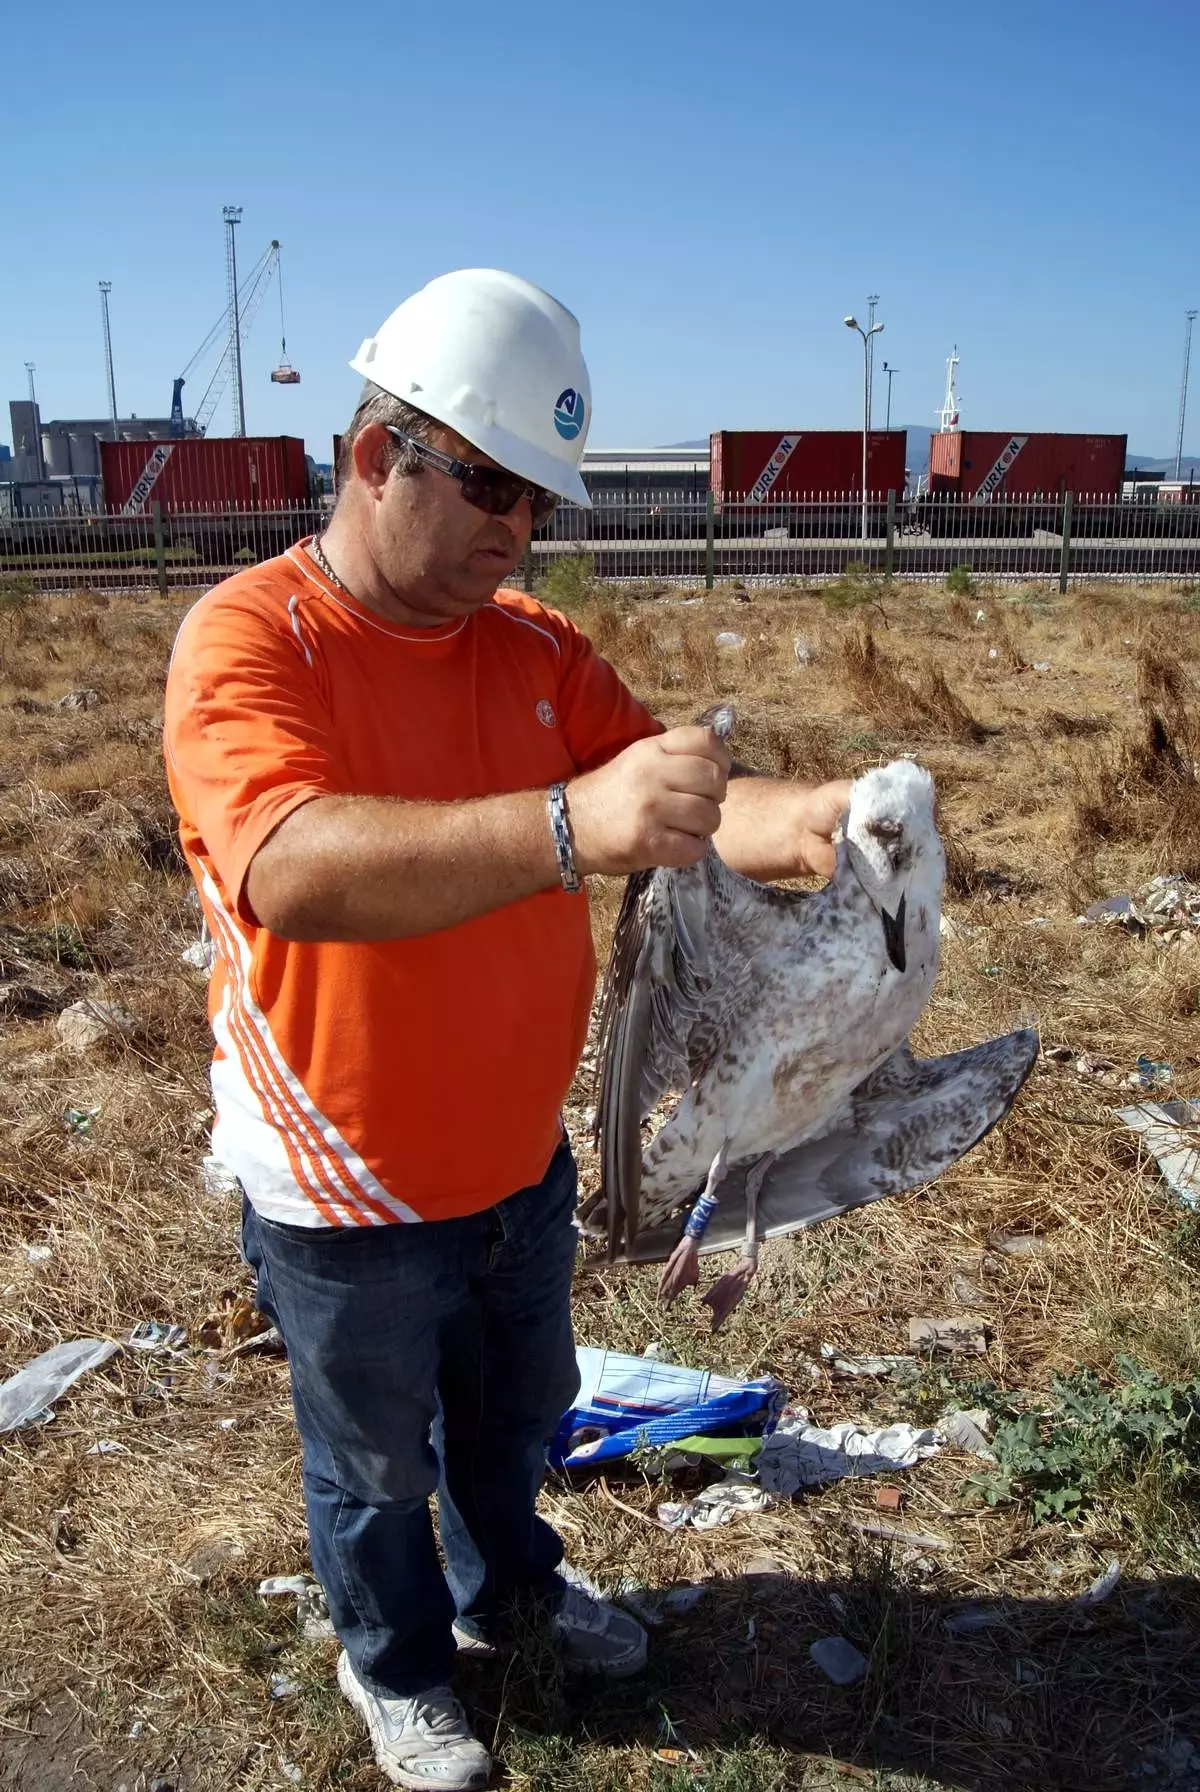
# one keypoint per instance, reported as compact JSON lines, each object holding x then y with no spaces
{"x":921,"y":702}
{"x":132,"y":1643}
{"x":1147,"y":788}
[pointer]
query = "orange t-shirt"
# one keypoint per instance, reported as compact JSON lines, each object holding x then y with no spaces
{"x":363,"y":1083}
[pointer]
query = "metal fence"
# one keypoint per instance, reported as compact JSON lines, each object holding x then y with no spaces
{"x":666,"y":537}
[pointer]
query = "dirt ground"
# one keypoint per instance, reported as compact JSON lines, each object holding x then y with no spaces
{"x":134,"y":1649}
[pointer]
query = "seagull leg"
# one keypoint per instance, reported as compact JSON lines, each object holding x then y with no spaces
{"x":728,"y":1289}
{"x":682,"y":1268}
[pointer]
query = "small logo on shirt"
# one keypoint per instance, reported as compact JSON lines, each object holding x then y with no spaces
{"x":545,"y":714}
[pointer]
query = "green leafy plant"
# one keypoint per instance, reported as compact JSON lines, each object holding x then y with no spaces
{"x":569,"y":582}
{"x":17,"y":592}
{"x":1091,"y":1442}
{"x":858,"y":584}
{"x":960,"y":581}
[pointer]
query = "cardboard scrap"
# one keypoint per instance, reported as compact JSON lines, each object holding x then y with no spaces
{"x":958,"y":1337}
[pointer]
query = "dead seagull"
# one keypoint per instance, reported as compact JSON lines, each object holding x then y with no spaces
{"x":779,"y":1019}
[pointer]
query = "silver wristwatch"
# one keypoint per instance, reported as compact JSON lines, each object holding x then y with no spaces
{"x":556,"y":802}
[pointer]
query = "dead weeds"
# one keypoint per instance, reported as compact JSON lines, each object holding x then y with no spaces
{"x":131,"y":1630}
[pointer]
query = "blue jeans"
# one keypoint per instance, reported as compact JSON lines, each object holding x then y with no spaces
{"x":426,"y":1357}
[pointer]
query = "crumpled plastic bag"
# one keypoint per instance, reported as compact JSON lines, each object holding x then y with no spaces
{"x":29,"y":1394}
{"x":627,"y":1403}
{"x":800,"y":1454}
{"x":717,"y":1505}
{"x":1171,"y":1133}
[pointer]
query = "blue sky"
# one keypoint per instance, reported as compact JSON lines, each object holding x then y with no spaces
{"x":709,"y":187}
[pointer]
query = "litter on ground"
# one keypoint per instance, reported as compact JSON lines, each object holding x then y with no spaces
{"x":717,"y":1505}
{"x":1167,"y":909}
{"x":219,"y":1181}
{"x":968,"y":1431}
{"x":27,"y":1397}
{"x":636,"y":1402}
{"x":199,"y":955}
{"x":155,"y":1334}
{"x":956,"y":1337}
{"x":845,"y":1367}
{"x":800,"y":1454}
{"x":1151,"y":1074}
{"x":1103,"y":1586}
{"x":1170,"y":1131}
{"x":312,"y":1609}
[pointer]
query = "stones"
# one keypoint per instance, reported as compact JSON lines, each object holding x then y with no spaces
{"x":89,"y":1023}
{"x":81,"y":699}
{"x":839,"y":1660}
{"x":957,"y":1337}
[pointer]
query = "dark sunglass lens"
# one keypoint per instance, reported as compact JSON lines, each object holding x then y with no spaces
{"x":492,"y":490}
{"x":543,"y":505}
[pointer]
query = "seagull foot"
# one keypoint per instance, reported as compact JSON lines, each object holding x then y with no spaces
{"x":728,"y":1290}
{"x":681,"y":1270}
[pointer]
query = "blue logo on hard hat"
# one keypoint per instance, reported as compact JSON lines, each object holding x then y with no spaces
{"x":568,"y":414}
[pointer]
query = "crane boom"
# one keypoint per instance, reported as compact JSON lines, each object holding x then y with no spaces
{"x":254,"y":292}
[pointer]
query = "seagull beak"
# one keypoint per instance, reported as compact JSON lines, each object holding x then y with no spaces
{"x":893,"y":935}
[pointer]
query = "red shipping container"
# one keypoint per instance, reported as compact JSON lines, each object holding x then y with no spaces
{"x":761,"y":466}
{"x":982,"y":464}
{"x":204,"y":473}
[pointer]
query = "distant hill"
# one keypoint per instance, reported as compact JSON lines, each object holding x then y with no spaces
{"x":1149,"y":463}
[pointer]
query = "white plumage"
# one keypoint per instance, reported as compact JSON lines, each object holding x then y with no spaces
{"x":780,"y":1020}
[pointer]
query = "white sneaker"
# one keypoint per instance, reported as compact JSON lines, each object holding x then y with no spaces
{"x":422,"y":1741}
{"x":596,"y":1637}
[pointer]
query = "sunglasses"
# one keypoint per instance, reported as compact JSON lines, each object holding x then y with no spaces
{"x":490,"y":489}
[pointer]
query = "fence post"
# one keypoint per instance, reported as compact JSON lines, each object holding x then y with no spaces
{"x":889,"y":552}
{"x":527,"y":570}
{"x":160,"y":548}
{"x":709,"y":549}
{"x":1064,"y":564}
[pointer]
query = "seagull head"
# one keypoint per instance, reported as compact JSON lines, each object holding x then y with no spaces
{"x":892,"y":844}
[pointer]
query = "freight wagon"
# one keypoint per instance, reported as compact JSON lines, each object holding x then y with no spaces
{"x":758,"y":476}
{"x":204,"y":473}
{"x":983,"y":469}
{"x":223,"y":501}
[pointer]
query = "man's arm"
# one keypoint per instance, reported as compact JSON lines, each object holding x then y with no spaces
{"x":772,"y":829}
{"x":372,"y":868}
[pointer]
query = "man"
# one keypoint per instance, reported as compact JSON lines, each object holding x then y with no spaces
{"x":391,"y":776}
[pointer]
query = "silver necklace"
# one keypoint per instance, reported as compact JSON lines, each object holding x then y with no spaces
{"x":315,"y":549}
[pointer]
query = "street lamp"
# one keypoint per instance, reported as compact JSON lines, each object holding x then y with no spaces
{"x":852,"y":323}
{"x":889,"y":371}
{"x":1183,"y":396}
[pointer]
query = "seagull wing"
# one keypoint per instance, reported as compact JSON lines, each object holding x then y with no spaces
{"x":678,"y":973}
{"x":905,"y":1125}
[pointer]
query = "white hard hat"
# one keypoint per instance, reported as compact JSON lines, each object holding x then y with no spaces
{"x":499,"y":361}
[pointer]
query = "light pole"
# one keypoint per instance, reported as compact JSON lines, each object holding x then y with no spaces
{"x":105,"y":289}
{"x":872,"y":301}
{"x":889,"y":371}
{"x":233,"y":217}
{"x":1187,"y":356}
{"x":852,"y":323}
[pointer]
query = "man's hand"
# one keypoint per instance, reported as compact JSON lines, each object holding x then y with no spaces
{"x":821,"y":808}
{"x":657,"y":803}
{"x":771,"y":829}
